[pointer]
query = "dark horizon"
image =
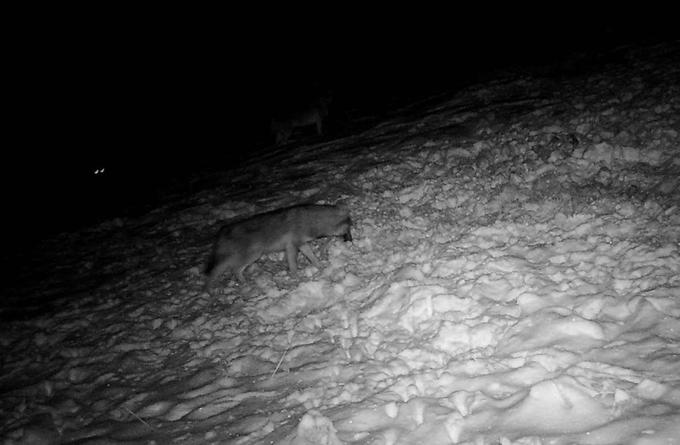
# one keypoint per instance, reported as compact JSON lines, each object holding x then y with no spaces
{"x":153,"y":109}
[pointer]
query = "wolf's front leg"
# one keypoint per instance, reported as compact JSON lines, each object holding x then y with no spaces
{"x":291,"y":254}
{"x":307,"y":251}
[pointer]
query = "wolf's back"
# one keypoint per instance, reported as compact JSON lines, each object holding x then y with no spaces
{"x":241,"y":243}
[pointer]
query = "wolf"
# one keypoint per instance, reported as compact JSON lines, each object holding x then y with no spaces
{"x":282,"y":127}
{"x":241,"y":243}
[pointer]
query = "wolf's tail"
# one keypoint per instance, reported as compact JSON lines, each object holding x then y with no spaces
{"x":210,"y":263}
{"x":207,"y":270}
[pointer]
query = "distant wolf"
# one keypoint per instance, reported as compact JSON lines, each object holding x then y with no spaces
{"x":241,"y":243}
{"x":282,"y":127}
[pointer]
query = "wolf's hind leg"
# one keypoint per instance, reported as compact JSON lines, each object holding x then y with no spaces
{"x":215,"y":273}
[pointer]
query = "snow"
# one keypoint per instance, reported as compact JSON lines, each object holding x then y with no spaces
{"x":515,"y":282}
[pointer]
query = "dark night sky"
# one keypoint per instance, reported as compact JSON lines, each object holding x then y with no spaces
{"x":152,"y":96}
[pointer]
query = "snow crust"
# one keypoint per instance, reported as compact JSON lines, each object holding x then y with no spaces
{"x":516,"y":282}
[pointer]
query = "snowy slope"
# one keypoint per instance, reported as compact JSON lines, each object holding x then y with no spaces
{"x":514,"y":278}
